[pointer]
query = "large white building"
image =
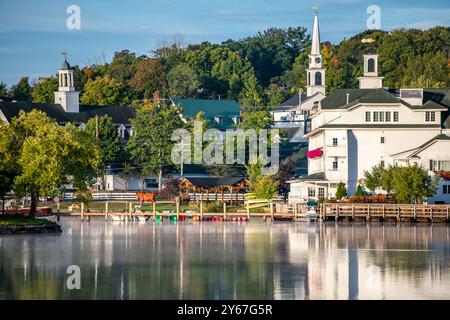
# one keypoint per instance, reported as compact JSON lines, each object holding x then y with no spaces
{"x":353,"y":130}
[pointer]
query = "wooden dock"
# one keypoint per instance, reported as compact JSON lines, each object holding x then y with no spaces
{"x":384,"y":212}
{"x":133,"y":213}
{"x":326,"y":212}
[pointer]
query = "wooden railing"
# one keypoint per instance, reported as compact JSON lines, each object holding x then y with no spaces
{"x":397,"y":212}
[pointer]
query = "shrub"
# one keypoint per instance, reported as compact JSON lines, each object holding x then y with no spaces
{"x":341,"y":191}
{"x":265,"y":187}
{"x":171,"y":189}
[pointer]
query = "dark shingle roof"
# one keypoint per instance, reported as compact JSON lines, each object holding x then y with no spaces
{"x":338,"y":99}
{"x":314,"y":176}
{"x":56,"y":111}
{"x":293,"y":101}
{"x":214,"y":182}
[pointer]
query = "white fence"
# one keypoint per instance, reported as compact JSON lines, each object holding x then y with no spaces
{"x":131,"y":196}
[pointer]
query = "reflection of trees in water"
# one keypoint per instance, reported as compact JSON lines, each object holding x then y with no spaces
{"x":206,"y":260}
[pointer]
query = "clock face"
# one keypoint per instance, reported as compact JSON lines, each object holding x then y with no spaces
{"x":317,"y":60}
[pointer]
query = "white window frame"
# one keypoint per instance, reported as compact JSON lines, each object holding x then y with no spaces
{"x":335,"y":164}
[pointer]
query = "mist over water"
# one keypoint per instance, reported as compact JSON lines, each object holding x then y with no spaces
{"x":212,"y":260}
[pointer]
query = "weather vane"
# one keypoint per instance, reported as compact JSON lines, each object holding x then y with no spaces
{"x":315,"y":7}
{"x":369,"y":41}
{"x":65,"y":55}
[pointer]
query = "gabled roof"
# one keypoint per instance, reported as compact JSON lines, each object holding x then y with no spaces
{"x":318,"y":176}
{"x":228,"y":109}
{"x":294,"y":100}
{"x":56,"y":111}
{"x":338,"y":99}
{"x":414,"y":151}
{"x":214,"y":182}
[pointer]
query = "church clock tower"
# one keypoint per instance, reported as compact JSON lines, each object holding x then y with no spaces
{"x":315,"y":81}
{"x":66,"y":95}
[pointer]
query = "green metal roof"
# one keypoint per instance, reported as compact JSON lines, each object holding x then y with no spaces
{"x":227,"y":109}
{"x":65,"y":65}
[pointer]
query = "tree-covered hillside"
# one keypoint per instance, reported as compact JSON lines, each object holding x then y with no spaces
{"x":261,"y":70}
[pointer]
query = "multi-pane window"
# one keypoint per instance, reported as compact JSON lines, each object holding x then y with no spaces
{"x":376,"y":116}
{"x":335,"y":164}
{"x":382,"y":140}
{"x":430,"y":116}
{"x":335,"y":142}
{"x":382,"y":163}
{"x":380,"y":116}
{"x":439,"y":165}
{"x":395,"y":116}
{"x":388,"y":116}
{"x":446,"y":189}
{"x":311,"y":192}
{"x":321,"y":192}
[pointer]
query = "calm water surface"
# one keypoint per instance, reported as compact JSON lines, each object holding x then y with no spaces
{"x":229,"y":261}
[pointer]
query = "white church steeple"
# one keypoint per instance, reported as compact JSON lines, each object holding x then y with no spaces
{"x":66,"y":95}
{"x":315,"y":81}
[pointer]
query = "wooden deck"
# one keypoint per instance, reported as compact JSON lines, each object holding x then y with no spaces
{"x":132,"y":214}
{"x":385,"y":212}
{"x":326,"y":212}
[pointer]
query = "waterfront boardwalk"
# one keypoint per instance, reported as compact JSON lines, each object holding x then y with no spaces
{"x":326,"y":212}
{"x":384,"y":212}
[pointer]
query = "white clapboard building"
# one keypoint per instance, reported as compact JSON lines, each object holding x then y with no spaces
{"x":353,"y":130}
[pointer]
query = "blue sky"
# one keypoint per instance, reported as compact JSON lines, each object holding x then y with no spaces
{"x":33,"y":33}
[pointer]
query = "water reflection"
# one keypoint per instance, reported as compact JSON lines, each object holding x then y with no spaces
{"x":229,"y":261}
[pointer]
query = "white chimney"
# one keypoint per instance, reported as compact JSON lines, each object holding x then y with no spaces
{"x":412,"y":96}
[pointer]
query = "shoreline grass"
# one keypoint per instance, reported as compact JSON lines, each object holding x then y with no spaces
{"x":16,"y":220}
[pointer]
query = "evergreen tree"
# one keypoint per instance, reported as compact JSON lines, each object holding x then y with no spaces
{"x":341,"y":190}
{"x":22,"y":90}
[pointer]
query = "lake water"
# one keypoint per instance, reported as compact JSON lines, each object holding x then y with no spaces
{"x":212,"y":260}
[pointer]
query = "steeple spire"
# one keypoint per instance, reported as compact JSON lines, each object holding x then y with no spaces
{"x":315,"y":49}
{"x":315,"y":81}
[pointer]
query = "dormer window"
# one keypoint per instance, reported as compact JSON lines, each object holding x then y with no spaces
{"x":218,"y":119}
{"x":430,"y":116}
{"x":82,"y":126}
{"x":236,"y":120}
{"x":122,"y":131}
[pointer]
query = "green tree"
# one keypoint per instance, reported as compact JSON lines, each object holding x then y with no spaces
{"x":104,"y":91}
{"x":251,"y":94}
{"x":48,"y":156}
{"x":150,"y":77}
{"x":359,"y":191}
{"x":183,"y":81}
{"x":3,"y":89}
{"x":341,"y":190}
{"x":107,"y":138}
{"x":412,"y":184}
{"x":44,"y":91}
{"x":22,"y":90}
{"x":8,"y":166}
{"x":150,"y":146}
{"x":265,"y":187}
{"x":372,"y":178}
{"x":256,"y":119}
{"x":275,"y":95}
